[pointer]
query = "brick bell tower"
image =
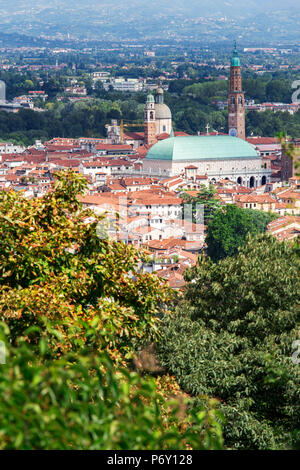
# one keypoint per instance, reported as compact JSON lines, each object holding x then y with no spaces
{"x":149,"y":122}
{"x":236,"y":99}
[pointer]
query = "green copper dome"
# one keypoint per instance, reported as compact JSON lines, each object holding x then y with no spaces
{"x":150,"y":98}
{"x":235,"y":61}
{"x":192,"y":148}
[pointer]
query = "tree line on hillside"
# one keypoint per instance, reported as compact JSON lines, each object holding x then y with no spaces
{"x":81,"y":119}
{"x":191,"y":103}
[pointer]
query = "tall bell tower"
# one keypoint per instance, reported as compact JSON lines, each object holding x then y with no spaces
{"x":236,"y":99}
{"x":149,"y":121}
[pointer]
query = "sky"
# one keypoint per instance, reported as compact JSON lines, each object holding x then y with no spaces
{"x":229,"y":6}
{"x":35,"y":17}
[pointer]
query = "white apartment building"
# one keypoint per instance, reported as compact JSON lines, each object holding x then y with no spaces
{"x":100,"y":76}
{"x":8,"y":147}
{"x":122,"y":84}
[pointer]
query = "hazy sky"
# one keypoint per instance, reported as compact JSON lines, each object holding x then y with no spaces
{"x":269,"y":19}
{"x":230,"y":6}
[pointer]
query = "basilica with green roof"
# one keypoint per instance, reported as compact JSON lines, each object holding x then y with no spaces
{"x":217,"y":156}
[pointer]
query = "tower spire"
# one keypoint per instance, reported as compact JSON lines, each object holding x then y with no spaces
{"x":235,"y":61}
{"x":236,"y":98}
{"x":149,"y":121}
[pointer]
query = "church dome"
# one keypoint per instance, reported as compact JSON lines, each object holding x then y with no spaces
{"x":193,"y":148}
{"x":150,"y":98}
{"x":162,"y":111}
{"x":235,"y":61}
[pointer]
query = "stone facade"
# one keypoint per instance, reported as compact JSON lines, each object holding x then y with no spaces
{"x":287,"y":164}
{"x":149,"y":122}
{"x":236,"y":100}
{"x":247,"y":172}
{"x":163,"y":116}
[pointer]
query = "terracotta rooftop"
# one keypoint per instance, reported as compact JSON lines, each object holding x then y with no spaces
{"x":255,"y":198}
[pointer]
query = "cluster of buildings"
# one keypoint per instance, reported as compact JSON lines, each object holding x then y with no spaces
{"x":124,"y":84}
{"x":20,"y":102}
{"x":118,"y":84}
{"x":291,"y":108}
{"x":150,"y":207}
{"x":130,"y":85}
{"x":141,"y":176}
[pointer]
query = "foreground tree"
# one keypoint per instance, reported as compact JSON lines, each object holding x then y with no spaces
{"x":81,"y":402}
{"x":75,"y":310}
{"x":232,"y":338}
{"x":53,"y":264}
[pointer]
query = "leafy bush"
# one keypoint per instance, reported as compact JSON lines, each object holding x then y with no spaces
{"x":53,"y":264}
{"x":81,"y":402}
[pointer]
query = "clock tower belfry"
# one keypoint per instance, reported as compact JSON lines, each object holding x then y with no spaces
{"x":236,"y":99}
{"x":149,"y":121}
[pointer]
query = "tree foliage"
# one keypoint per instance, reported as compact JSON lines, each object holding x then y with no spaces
{"x":229,"y":227}
{"x":232,"y":339}
{"x":81,"y":402}
{"x":75,"y":311}
{"x":53,"y":263}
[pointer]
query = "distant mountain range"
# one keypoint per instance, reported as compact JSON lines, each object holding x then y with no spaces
{"x":250,"y":21}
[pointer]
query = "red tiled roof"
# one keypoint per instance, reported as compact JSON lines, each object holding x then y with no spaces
{"x":262,"y":140}
{"x":116,"y":147}
{"x":238,"y":189}
{"x":285,"y":228}
{"x":283,"y":222}
{"x":66,"y":163}
{"x":134,"y":136}
{"x":116,"y":187}
{"x":256,"y":198}
{"x":157,"y":201}
{"x":60,"y":148}
{"x":289,"y":195}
